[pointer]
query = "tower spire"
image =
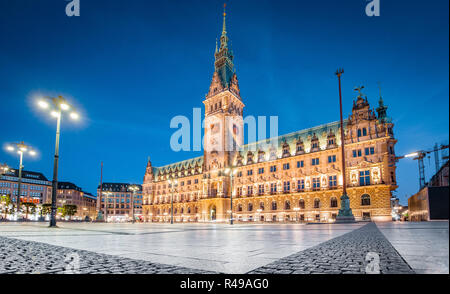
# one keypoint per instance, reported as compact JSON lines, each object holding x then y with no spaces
{"x":223,"y":64}
{"x":224,"y":29}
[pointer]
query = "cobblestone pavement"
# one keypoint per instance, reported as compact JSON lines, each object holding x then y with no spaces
{"x":345,"y":254}
{"x":25,"y":257}
{"x":342,"y":255}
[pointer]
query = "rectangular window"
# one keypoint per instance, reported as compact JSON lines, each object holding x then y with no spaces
{"x":357,"y":153}
{"x":331,"y":158}
{"x":300,"y":163}
{"x":249,"y":172}
{"x":286,"y":186}
{"x":273,"y":188}
{"x":261,"y":189}
{"x":332,"y":181}
{"x":286,"y":166}
{"x":249,"y":190}
{"x":273,"y":168}
{"x":316,"y":183}
{"x":364,"y":178}
{"x":261,"y":170}
{"x":369,"y":151}
{"x":315,"y":161}
{"x":196,"y":181}
{"x":301,"y":185}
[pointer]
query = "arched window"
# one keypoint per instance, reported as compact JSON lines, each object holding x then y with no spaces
{"x":182,"y":210}
{"x":301,"y":204}
{"x":158,"y":212}
{"x":287,"y":205}
{"x":175,"y":211}
{"x":189,"y":210}
{"x":365,"y":200}
{"x":261,"y":205}
{"x":317,"y":203}
{"x":250,"y":207}
{"x":239,"y":207}
{"x":333,"y":202}
{"x":274,"y":205}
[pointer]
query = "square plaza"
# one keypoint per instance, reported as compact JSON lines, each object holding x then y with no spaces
{"x":236,"y":249}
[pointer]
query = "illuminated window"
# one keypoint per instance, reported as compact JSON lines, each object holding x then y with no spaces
{"x":364,"y":178}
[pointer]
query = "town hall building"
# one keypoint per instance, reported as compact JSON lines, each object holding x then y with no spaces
{"x":297,"y":179}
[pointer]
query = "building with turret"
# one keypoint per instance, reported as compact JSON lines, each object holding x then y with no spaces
{"x":296,"y":177}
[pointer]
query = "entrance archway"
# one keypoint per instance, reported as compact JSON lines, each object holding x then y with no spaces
{"x":212,"y":213}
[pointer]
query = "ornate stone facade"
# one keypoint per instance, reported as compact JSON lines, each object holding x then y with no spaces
{"x":297,"y":179}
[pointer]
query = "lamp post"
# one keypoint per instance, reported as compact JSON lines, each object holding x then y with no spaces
{"x":133,"y":188}
{"x":20,"y":148}
{"x":60,"y":105}
{"x":345,"y":213}
{"x":173,"y":184}
{"x":231,"y":172}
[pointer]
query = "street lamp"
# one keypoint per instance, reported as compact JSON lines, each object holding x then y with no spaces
{"x":133,"y":188}
{"x":173,"y":185}
{"x":4,"y":168}
{"x":231,"y":171}
{"x":56,"y":105}
{"x":20,"y":148}
{"x":345,"y":213}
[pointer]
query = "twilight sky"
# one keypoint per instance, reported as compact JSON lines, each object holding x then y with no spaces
{"x":131,"y":66}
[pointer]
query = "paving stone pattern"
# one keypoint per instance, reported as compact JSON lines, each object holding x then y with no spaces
{"x":25,"y":257}
{"x":342,"y":255}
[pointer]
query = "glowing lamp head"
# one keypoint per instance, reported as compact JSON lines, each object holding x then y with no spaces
{"x":65,"y":106}
{"x":32,"y":153}
{"x":74,"y":115}
{"x":10,"y":148}
{"x":54,"y":113}
{"x":43,"y":104}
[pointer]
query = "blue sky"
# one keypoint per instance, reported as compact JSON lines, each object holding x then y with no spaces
{"x":130,"y":66}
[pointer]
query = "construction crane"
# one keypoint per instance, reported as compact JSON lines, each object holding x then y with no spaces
{"x":420,"y":155}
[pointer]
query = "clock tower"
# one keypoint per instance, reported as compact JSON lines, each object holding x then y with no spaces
{"x":223,"y":110}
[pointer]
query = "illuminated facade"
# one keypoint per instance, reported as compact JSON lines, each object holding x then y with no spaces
{"x":297,"y":179}
{"x":119,"y":197}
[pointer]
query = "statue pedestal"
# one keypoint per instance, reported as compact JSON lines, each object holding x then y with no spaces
{"x":345,"y":214}
{"x":100,"y":216}
{"x":345,"y":219}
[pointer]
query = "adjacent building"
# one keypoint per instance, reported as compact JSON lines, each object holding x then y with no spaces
{"x":294,"y":177}
{"x":35,"y":187}
{"x":70,"y":194}
{"x":431,"y":202}
{"x":119,"y":198}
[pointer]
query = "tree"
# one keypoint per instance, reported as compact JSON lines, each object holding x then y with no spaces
{"x":69,"y":210}
{"x":46,"y":209}
{"x":29,"y":207}
{"x":6,"y":200}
